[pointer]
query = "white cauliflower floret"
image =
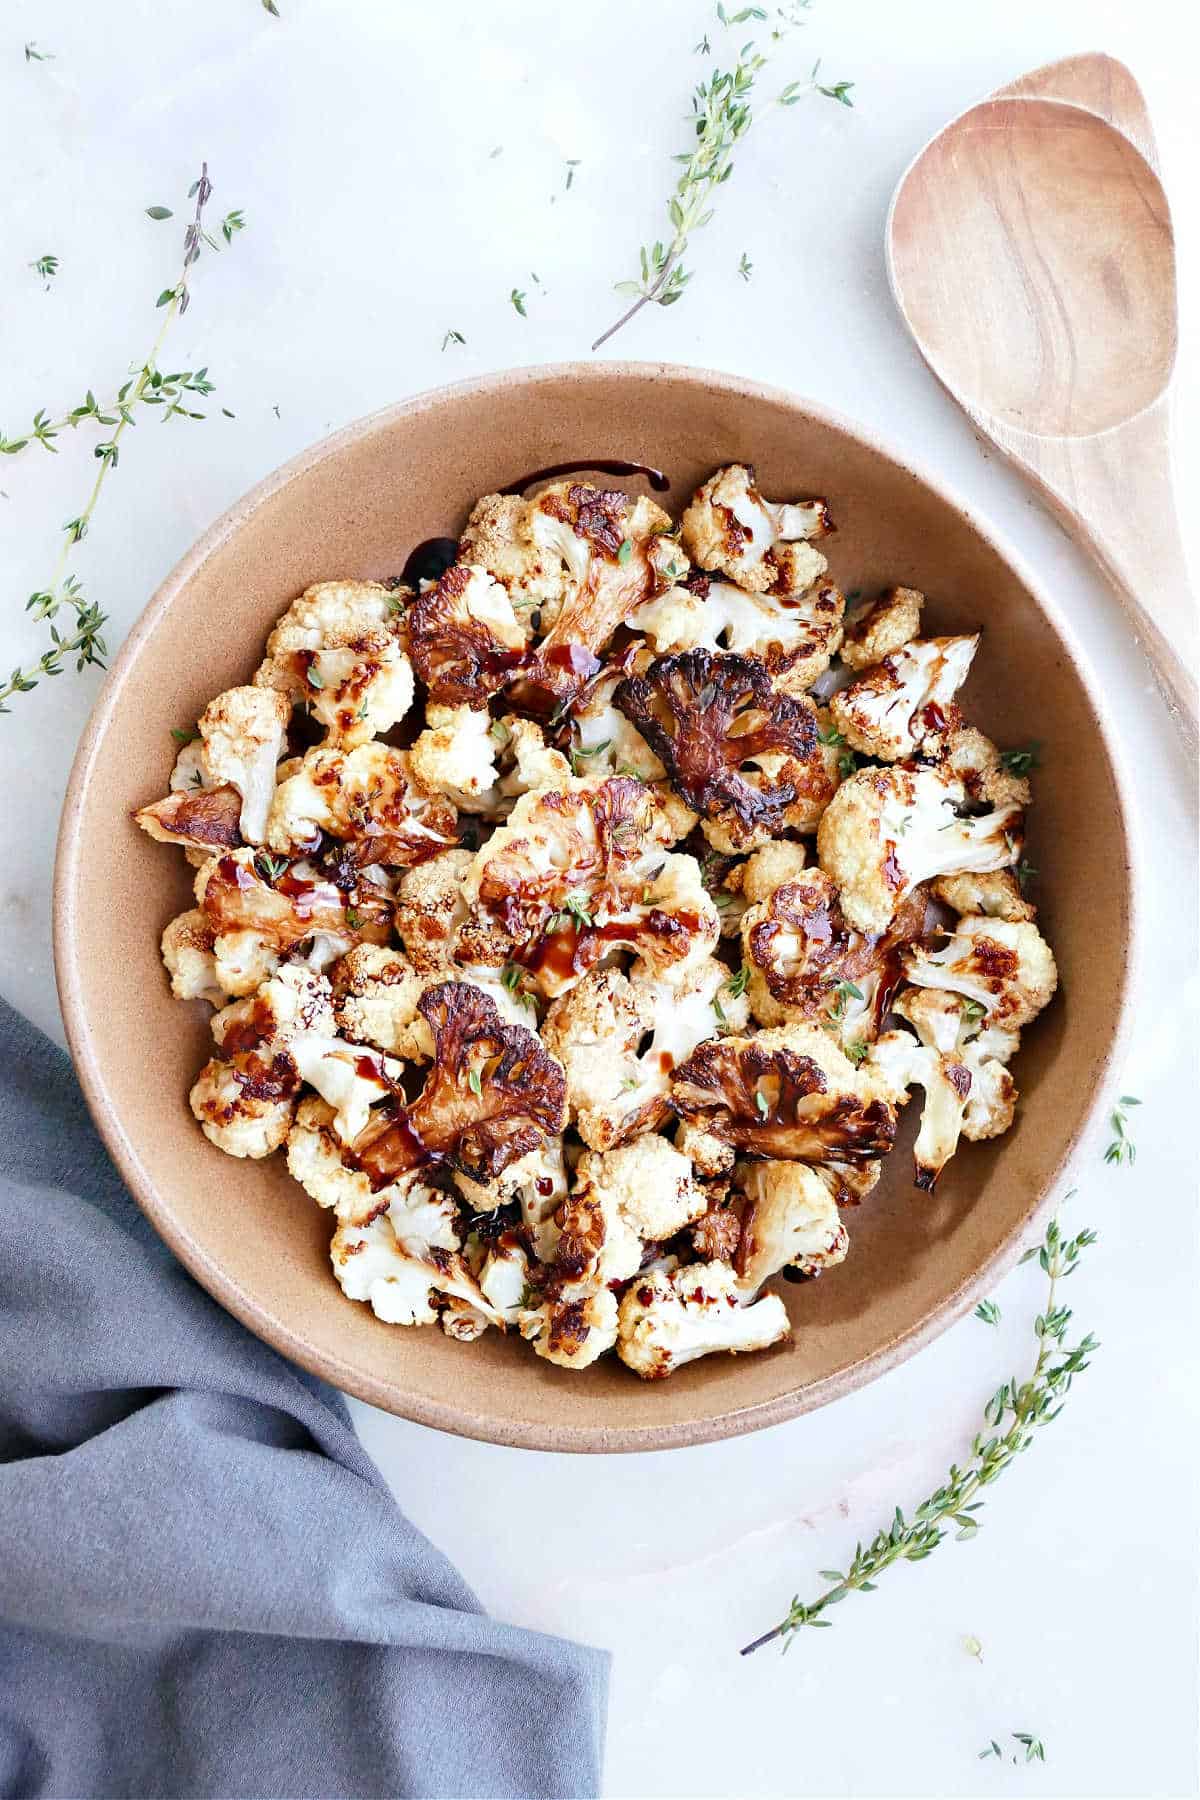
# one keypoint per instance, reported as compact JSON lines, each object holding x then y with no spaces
{"x":187,"y":951}
{"x":904,"y":706}
{"x":431,"y":907}
{"x":886,"y":830}
{"x":791,"y":1221}
{"x":882,"y":627}
{"x":339,"y":650}
{"x":795,"y":635}
{"x":403,"y":1284}
{"x":456,"y":755}
{"x":762,"y":545}
{"x":314,"y":1159}
{"x":572,"y":1333}
{"x":650,"y":1184}
{"x":243,"y":1111}
{"x":243,"y":732}
{"x":504,"y":1281}
{"x":769,"y":867}
{"x":666,"y":1320}
{"x":951,"y":1065}
{"x":375,"y":993}
{"x":605,"y":743}
{"x":535,"y":763}
{"x":1006,"y":969}
{"x":291,"y":1018}
{"x":997,"y":894}
{"x":372,"y":797}
{"x":500,"y":538}
{"x":615,"y":1086}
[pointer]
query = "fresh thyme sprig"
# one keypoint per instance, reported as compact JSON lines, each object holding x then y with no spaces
{"x":722,"y":114}
{"x":1122,"y":1149}
{"x":1035,"y":1750}
{"x":148,"y":387}
{"x":47,"y":267}
{"x":1030,"y":1404}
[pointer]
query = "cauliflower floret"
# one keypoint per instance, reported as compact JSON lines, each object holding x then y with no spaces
{"x":997,"y":894}
{"x":537,"y":1182}
{"x":430,"y":908}
{"x":749,"y":760}
{"x":465,"y":640}
{"x":404,"y":1285}
{"x":339,"y":650}
{"x":981,"y":769}
{"x":259,"y":909}
{"x":290,"y":1021}
{"x":244,"y":1106}
{"x":886,"y":830}
{"x":504,"y":1280}
{"x":244,"y":731}
{"x":803,"y":961}
{"x":456,"y":756}
{"x":762,"y":545}
{"x":197,"y":816}
{"x":883,"y":627}
{"x":615,"y":1087}
{"x":500,"y":537}
{"x":375,"y":994}
{"x":649,"y":1182}
{"x":572,"y":1332}
{"x":788,"y":1092}
{"x":711,"y":1157}
{"x":904,"y":706}
{"x":536,"y":764}
{"x":187,"y":951}
{"x":492,"y":1094}
{"x":770,"y":867}
{"x":795,"y":636}
{"x":605,"y":743}
{"x":372,"y":798}
{"x":790,"y":1221}
{"x":951,"y":1066}
{"x":578,"y":871}
{"x":1007,"y":969}
{"x":314,"y":1159}
{"x":668,"y":1320}
{"x":617,"y":553}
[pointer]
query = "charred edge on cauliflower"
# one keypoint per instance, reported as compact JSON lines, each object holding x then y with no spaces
{"x":776,"y":1102}
{"x":283,"y":907}
{"x":493,"y":1094}
{"x":705,"y":716}
{"x":823,"y":949}
{"x":203,"y":818}
{"x":456,"y":654}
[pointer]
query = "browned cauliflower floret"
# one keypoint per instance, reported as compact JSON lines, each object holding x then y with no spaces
{"x":886,"y":830}
{"x":790,"y":1222}
{"x":981,"y":769}
{"x":576,"y":873}
{"x":243,"y":1108}
{"x":668,"y":1320}
{"x":371,"y":799}
{"x":187,"y":951}
{"x":623,"y":1198}
{"x":618,"y":553}
{"x":243,"y":732}
{"x":493,"y":1094}
{"x":746,"y":758}
{"x":793,"y":635}
{"x":375,"y":995}
{"x":617,"y":1088}
{"x":804,"y":961}
{"x":502,"y":536}
{"x":430,"y":908}
{"x":968,"y":1089}
{"x":769,"y":868}
{"x":340,"y":651}
{"x":465,"y":639}
{"x":881,"y":628}
{"x":762,"y":545}
{"x":572,"y":1332}
{"x":1005,"y":970}
{"x":904,"y":706}
{"x":197,"y":817}
{"x":260,"y":907}
{"x":787,"y":1093}
{"x":997,"y":894}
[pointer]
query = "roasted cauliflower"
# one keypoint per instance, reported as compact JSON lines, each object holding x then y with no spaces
{"x":556,"y":932}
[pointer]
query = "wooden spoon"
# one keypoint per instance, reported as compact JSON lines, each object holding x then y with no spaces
{"x":1031,"y":255}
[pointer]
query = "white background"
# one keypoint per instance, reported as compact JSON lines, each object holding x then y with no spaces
{"x":357,"y":138}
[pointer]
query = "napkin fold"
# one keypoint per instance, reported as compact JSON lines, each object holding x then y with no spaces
{"x":206,"y":1587}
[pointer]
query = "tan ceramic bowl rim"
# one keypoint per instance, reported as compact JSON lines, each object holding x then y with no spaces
{"x":445,"y":1415}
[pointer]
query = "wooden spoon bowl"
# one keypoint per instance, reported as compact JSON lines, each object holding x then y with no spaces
{"x":1031,"y":255}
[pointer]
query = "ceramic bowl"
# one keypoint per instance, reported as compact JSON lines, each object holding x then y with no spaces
{"x":354,"y":506}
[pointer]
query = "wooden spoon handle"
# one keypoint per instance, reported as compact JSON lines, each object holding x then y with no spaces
{"x":1113,"y":492}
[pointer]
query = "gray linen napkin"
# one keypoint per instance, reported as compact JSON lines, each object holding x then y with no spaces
{"x":206,"y":1587}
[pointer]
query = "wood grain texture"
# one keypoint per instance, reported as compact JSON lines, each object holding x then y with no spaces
{"x":1031,"y":254}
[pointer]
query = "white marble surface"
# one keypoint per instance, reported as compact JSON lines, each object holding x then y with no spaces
{"x":356,"y":136}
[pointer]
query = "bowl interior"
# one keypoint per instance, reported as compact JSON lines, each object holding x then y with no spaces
{"x":355,"y":506}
